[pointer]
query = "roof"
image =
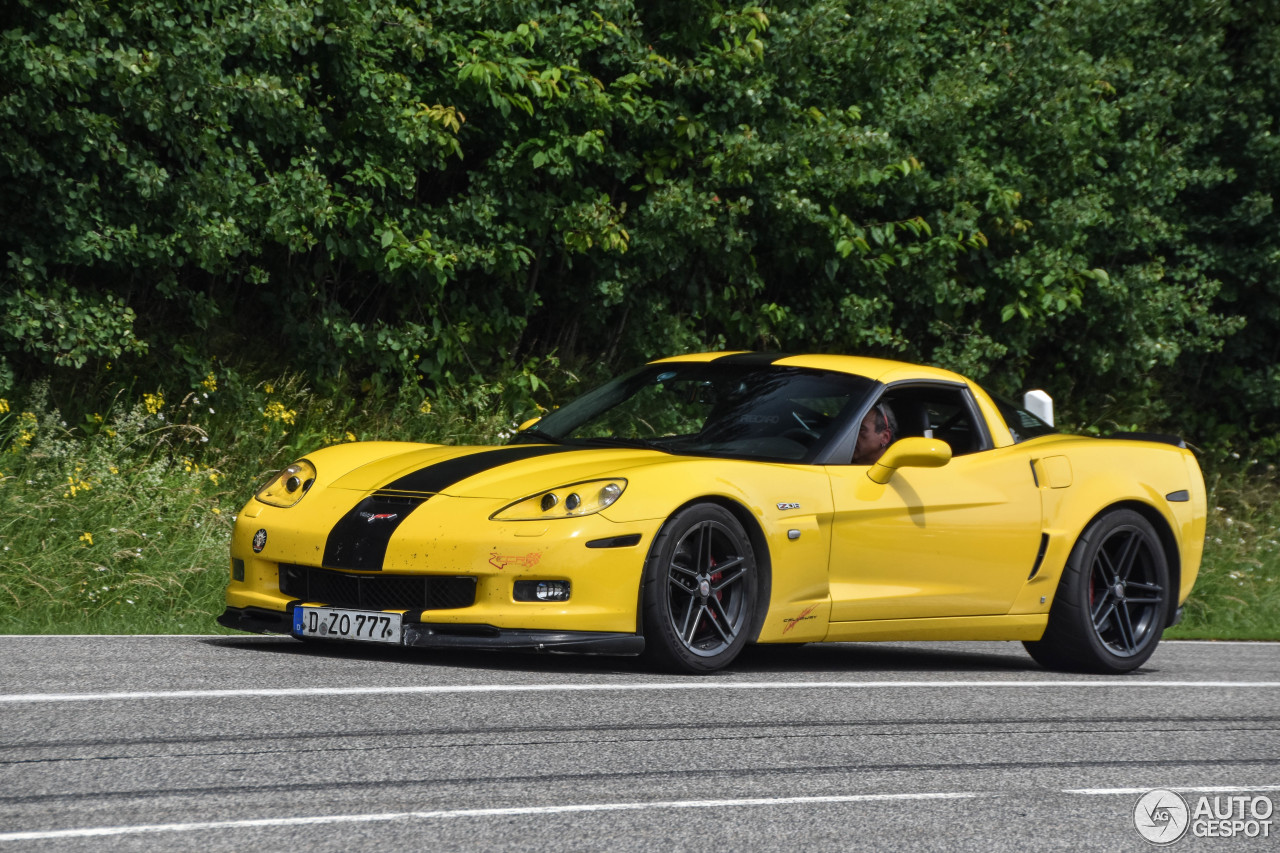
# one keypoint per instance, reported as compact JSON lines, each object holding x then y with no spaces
{"x":880,"y":369}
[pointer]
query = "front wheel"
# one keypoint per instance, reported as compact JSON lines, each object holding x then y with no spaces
{"x":1113,"y":599}
{"x":701,"y":586}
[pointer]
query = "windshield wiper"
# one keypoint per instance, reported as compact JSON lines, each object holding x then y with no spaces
{"x":618,"y":441}
{"x":537,"y":435}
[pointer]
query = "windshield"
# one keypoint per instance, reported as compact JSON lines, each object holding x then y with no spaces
{"x":738,"y":410}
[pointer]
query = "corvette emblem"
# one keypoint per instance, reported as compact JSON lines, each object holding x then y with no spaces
{"x":786,"y":506}
{"x":371,"y":517}
{"x":259,"y":541}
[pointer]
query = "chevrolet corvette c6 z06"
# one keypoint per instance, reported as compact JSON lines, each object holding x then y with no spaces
{"x":704,"y":502}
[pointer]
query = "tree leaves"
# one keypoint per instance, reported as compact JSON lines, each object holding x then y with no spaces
{"x":1031,"y":192}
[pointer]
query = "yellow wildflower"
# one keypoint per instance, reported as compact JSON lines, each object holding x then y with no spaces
{"x":275,"y":411}
{"x":4,"y":407}
{"x":425,"y":408}
{"x":153,"y":402}
{"x":27,"y":424}
{"x":75,"y":486}
{"x":210,"y":382}
{"x":86,"y":537}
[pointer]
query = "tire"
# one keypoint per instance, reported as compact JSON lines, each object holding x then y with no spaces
{"x":1112,"y":602}
{"x":701,"y":586}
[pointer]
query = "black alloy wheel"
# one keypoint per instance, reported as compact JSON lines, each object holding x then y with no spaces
{"x":1112,"y":603}
{"x":701,"y":589}
{"x":1126,"y":593}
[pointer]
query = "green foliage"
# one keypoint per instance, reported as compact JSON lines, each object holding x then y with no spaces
{"x":430,"y":194}
{"x":68,"y":329}
{"x":1237,"y":595}
{"x":121,"y":524}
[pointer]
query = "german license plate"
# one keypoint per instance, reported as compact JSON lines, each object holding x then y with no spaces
{"x":332,"y":623}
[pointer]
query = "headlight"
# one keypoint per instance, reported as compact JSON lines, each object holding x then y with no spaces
{"x":571,"y":501}
{"x":288,"y":487}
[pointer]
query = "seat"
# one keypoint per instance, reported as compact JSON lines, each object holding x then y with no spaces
{"x":912,"y":418}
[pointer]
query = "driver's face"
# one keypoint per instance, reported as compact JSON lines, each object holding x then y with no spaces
{"x":871,"y":442}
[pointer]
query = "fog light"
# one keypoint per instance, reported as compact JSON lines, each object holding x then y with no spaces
{"x":553,"y":591}
{"x":237,"y":569}
{"x":541,"y":591}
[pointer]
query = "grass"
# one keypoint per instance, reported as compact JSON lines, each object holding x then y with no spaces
{"x":121,"y":523}
{"x":1237,"y":596}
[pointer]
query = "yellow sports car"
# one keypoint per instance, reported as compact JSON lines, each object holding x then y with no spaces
{"x":708,"y":501}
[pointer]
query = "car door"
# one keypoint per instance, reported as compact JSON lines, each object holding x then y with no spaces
{"x":957,"y":540}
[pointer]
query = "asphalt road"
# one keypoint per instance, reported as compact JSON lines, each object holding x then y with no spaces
{"x":256,"y":743}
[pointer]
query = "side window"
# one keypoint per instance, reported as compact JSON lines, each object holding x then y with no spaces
{"x":1022,"y":424}
{"x":937,"y":411}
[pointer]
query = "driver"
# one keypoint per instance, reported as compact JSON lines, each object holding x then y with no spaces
{"x":876,"y":433}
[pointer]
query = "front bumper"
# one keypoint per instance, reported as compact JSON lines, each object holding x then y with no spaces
{"x":444,"y":567}
{"x":455,"y":636}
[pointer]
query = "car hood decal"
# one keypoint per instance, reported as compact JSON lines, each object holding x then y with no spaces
{"x":359,"y":540}
{"x":500,"y":473}
{"x":438,"y":478}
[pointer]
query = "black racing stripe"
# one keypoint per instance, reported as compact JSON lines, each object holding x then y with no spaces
{"x":359,"y":540}
{"x":757,"y":359}
{"x":436,"y":478}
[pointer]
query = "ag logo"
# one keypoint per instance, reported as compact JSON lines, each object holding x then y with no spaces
{"x":259,"y":541}
{"x":1161,"y":816}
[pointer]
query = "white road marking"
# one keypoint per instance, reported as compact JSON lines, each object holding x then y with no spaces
{"x":92,"y":832}
{"x":709,"y":684}
{"x":581,"y":808}
{"x":1216,"y":789}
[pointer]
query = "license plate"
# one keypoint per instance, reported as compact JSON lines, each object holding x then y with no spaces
{"x":331,"y":623}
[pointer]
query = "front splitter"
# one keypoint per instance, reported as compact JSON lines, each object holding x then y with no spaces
{"x":450,"y":636}
{"x":484,"y":637}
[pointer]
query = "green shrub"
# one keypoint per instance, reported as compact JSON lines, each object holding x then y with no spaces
{"x":1056,"y":194}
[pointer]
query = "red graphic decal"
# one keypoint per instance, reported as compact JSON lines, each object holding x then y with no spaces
{"x":501,"y":561}
{"x":791,"y":623}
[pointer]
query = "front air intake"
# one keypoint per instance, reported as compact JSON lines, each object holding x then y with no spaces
{"x":377,"y":592}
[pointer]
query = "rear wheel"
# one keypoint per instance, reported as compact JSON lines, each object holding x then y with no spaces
{"x":701,"y":586}
{"x":1110,"y":607}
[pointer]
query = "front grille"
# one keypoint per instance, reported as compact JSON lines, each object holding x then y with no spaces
{"x":377,"y":592}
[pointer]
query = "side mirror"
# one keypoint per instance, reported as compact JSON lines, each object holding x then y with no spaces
{"x":910,"y":453}
{"x":524,"y":426}
{"x":1039,"y":404}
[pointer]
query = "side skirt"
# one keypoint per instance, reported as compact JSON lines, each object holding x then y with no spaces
{"x":1018,"y":627}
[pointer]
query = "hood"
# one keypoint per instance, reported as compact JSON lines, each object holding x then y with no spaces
{"x":501,"y":473}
